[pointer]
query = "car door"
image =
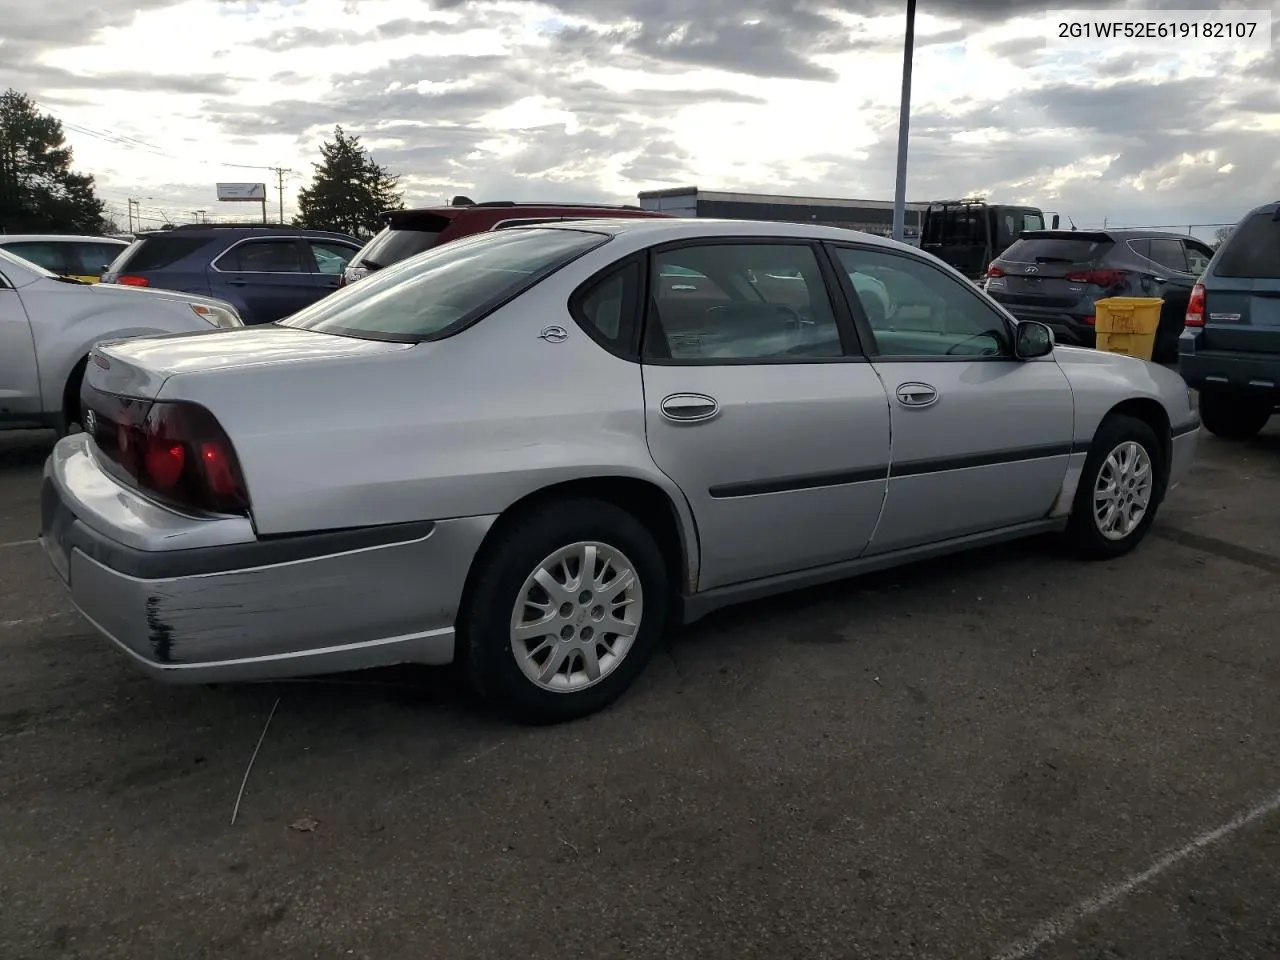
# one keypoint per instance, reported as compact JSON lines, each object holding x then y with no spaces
{"x":327,"y":260}
{"x":266,"y":276}
{"x":766,"y":415}
{"x":981,"y":440}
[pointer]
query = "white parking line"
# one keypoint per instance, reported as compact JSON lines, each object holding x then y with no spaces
{"x":30,"y":620}
{"x":1055,"y":927}
{"x":19,"y":543}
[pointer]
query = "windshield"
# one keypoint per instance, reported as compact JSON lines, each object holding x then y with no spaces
{"x":424,"y":296}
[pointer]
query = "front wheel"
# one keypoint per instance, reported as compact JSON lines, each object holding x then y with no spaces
{"x":1233,"y":416}
{"x":568,"y":606}
{"x":1119,"y":492}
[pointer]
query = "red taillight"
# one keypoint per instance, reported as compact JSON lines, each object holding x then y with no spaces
{"x":1100,"y":278}
{"x":1195,"y":307}
{"x":173,"y":450}
{"x":129,"y":280}
{"x":994,"y":271}
{"x":1091,"y":320}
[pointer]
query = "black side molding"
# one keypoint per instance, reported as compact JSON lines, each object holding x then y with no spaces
{"x":1191,"y":426}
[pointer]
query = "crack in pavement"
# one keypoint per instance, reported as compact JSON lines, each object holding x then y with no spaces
{"x":1221,"y":548}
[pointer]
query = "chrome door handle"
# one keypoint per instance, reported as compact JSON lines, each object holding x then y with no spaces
{"x":917,"y":395}
{"x":689,"y":407}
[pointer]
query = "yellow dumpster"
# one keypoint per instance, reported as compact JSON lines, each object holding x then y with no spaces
{"x":1128,"y":325}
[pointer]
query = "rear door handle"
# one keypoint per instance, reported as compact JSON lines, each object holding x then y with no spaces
{"x":689,"y":407}
{"x":237,"y":283}
{"x":917,"y":394}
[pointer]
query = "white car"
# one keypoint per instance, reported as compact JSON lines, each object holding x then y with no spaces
{"x":81,"y":258}
{"x":49,"y":323}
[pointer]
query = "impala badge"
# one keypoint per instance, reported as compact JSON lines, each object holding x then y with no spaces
{"x":554,"y":334}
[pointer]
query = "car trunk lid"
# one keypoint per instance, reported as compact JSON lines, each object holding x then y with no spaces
{"x":138,"y":367}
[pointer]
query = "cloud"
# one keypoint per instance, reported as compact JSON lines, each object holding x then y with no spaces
{"x":308,"y":37}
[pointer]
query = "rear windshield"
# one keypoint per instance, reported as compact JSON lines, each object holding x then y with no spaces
{"x":1056,"y":250}
{"x":1252,"y":250}
{"x":156,"y":253}
{"x":424,"y":296}
{"x":400,"y":240}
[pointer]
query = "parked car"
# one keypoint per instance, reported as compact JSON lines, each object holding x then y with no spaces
{"x":412,"y":231}
{"x":266,"y":271}
{"x":48,"y":323}
{"x":505,"y":451}
{"x":1057,"y":276}
{"x":81,"y":258}
{"x":1229,"y":349}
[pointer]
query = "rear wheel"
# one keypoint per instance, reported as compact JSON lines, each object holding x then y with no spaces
{"x":1120,"y":489}
{"x":1233,"y":416}
{"x":568,"y":606}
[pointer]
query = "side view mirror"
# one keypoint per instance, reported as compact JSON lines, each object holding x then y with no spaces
{"x":1032,"y":340}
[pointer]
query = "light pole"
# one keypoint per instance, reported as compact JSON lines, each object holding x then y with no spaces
{"x":904,"y":123}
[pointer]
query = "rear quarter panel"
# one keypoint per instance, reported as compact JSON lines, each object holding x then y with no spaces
{"x":462,"y":427}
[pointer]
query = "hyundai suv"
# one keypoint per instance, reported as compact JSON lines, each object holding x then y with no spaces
{"x":266,"y":271}
{"x":408,"y":232}
{"x":1057,"y":277}
{"x":1230,"y":346}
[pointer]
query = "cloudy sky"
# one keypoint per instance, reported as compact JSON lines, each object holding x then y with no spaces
{"x":598,"y":99}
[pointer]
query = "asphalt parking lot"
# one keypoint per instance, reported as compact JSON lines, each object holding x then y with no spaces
{"x":1008,"y":755}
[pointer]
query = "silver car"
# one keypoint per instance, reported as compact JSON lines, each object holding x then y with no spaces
{"x":530,"y":451}
{"x":48,"y":323}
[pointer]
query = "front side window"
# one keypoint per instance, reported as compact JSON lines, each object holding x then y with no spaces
{"x":1197,"y":259}
{"x":740,"y":301}
{"x":331,"y":258}
{"x":916,"y":310}
{"x":423,"y":296}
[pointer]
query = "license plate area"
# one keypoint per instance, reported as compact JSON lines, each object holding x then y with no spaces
{"x":55,"y":529}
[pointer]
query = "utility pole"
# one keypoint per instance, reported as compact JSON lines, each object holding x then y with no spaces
{"x":904,"y":123}
{"x":280,"y":174}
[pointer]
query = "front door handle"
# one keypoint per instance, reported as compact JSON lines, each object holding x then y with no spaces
{"x":689,"y":407}
{"x":917,"y":395}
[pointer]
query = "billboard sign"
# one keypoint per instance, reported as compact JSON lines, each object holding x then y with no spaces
{"x":248,"y":192}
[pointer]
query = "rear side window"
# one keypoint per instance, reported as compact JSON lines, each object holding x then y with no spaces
{"x":401,"y":239}
{"x":157,"y":252}
{"x":263,"y":256}
{"x":446,"y":287}
{"x":1056,"y":250}
{"x":1252,"y":250}
{"x":41,"y":253}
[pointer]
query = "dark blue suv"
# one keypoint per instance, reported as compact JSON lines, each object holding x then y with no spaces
{"x":265,"y":271}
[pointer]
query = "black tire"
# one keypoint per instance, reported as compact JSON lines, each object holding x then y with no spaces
{"x":69,"y":422}
{"x":1083,"y":533}
{"x":1234,"y":416}
{"x":484,"y":642}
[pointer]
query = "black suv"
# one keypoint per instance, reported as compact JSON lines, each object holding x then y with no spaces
{"x":1056,"y":277}
{"x":1230,"y":347}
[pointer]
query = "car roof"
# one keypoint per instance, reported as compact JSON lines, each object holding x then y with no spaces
{"x":1126,"y":233}
{"x":660,"y":229}
{"x":266,"y":229}
{"x":57,"y":238}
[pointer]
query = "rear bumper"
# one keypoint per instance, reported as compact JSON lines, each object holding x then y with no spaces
{"x":1218,"y":369}
{"x":1184,"y":440}
{"x":196,"y":601}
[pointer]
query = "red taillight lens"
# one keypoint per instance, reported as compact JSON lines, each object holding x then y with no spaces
{"x":1091,"y":320}
{"x":175,"y":451}
{"x":1099,"y":278}
{"x":1195,"y":307}
{"x":994,"y":271}
{"x":131,"y":281}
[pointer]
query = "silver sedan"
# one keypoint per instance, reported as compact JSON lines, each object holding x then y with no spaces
{"x":530,"y":451}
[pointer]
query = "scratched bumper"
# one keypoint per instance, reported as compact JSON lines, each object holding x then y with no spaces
{"x":199,"y":600}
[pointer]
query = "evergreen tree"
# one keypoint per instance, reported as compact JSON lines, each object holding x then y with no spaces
{"x":348,"y":190}
{"x":39,"y":193}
